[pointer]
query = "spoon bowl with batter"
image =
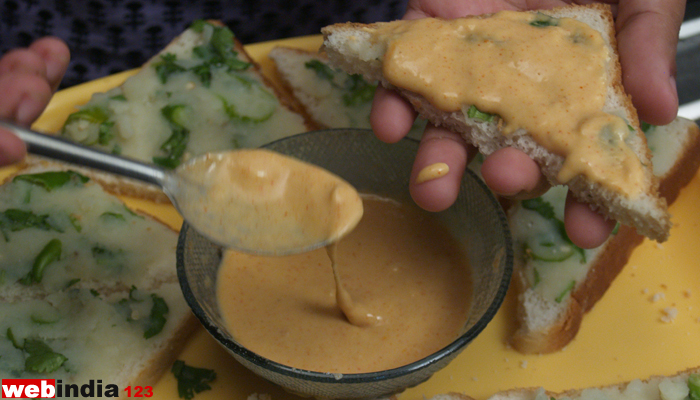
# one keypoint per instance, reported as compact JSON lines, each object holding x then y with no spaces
{"x":255,"y":201}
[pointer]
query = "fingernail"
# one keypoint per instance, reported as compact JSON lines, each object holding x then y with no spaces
{"x":672,"y":81}
{"x":25,"y":112}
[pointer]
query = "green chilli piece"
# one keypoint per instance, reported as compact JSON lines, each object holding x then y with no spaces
{"x":566,"y":291}
{"x":542,"y":207}
{"x":94,"y":115}
{"x":176,"y":144}
{"x":49,"y":254}
{"x":694,"y":386}
{"x":543,"y":20}
{"x":53,"y":179}
{"x":474,"y":113}
{"x":322,"y":70}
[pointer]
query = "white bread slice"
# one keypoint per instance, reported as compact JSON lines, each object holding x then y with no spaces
{"x":672,"y":387}
{"x":546,"y":325}
{"x":357,"y":48}
{"x":239,"y":108}
{"x":96,"y":313}
{"x":320,"y":94}
{"x":330,"y":96}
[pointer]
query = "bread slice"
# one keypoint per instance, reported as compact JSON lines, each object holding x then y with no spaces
{"x":358,"y":48}
{"x":88,"y":279}
{"x":332,"y":97}
{"x":680,"y":386}
{"x":198,"y":94}
{"x":553,"y":296}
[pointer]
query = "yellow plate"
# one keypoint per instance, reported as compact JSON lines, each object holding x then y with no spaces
{"x":622,"y":338}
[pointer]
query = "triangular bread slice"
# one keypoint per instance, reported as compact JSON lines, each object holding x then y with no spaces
{"x":88,"y":281}
{"x":680,"y":386}
{"x":555,"y":290}
{"x":202,"y":92}
{"x":358,"y":48}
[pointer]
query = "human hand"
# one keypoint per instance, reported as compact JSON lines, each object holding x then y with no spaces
{"x":647,"y":35}
{"x":28,"y":78}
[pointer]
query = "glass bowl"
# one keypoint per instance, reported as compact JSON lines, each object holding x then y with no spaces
{"x":476,"y":220}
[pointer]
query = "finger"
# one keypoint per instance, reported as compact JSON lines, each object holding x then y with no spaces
{"x":510,"y":172}
{"x":24,"y":96}
{"x":391,"y":116}
{"x":22,"y":60}
{"x":439,"y":145}
{"x":12,"y":149}
{"x":647,"y":39}
{"x":56,"y":56}
{"x":586,"y":228}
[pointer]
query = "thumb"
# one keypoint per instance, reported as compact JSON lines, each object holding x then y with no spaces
{"x":647,"y":36}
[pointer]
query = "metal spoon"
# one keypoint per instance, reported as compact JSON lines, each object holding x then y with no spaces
{"x":190,"y":194}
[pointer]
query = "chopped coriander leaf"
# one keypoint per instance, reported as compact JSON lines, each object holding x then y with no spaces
{"x":94,"y":115}
{"x":198,"y":25}
{"x":106,"y":133}
{"x":360,"y":91}
{"x":167,"y":66}
{"x":694,"y":386}
{"x":203,"y":72}
{"x":14,"y":220}
{"x":191,"y":380}
{"x":157,"y":318}
{"x":53,"y":179}
{"x":42,"y":358}
{"x":566,"y":290}
{"x":12,"y":339}
{"x":75,"y":221}
{"x":50,"y":253}
{"x":474,"y":112}
{"x":72,"y":282}
{"x":322,"y":70}
{"x":540,"y":206}
{"x":108,"y":215}
{"x":108,"y":258}
{"x":647,"y":127}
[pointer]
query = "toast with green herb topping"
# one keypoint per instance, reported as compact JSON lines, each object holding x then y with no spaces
{"x":88,"y":287}
{"x":557,"y":282}
{"x":361,"y":49}
{"x":331,"y":97}
{"x":201,"y":93}
{"x":684,"y":385}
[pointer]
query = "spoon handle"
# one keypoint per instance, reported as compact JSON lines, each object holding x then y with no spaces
{"x":64,"y":150}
